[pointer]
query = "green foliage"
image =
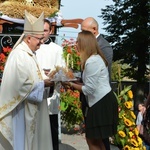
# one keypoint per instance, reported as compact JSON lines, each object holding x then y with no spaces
{"x":71,"y":113}
{"x":53,"y":14}
{"x":118,"y":70}
{"x":126,"y":22}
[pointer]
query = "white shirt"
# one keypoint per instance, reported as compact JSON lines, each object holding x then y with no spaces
{"x":139,"y":118}
{"x":95,"y":79}
{"x":49,"y":56}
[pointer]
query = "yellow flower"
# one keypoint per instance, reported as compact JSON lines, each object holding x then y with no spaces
{"x":121,"y":133}
{"x":134,"y":142}
{"x":131,"y":134}
{"x":126,"y":147}
{"x":128,"y":122}
{"x":130,"y":94}
{"x":128,"y":104}
{"x":136,"y":149}
{"x":133,"y":115}
{"x":139,"y":140}
{"x":136,"y":131}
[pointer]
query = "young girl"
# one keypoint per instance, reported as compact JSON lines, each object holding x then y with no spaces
{"x":139,"y":119}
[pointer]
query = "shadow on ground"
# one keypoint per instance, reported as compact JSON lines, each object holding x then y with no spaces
{"x":63,"y":146}
{"x":74,"y":140}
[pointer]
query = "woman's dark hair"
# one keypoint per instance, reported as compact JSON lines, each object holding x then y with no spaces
{"x":48,"y":22}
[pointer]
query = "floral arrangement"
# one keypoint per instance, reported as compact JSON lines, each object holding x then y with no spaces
{"x":127,"y":137}
{"x":3,"y":57}
{"x":71,"y":55}
{"x":71,"y":113}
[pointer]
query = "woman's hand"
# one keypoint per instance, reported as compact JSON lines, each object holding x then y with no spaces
{"x":72,"y":85}
{"x":48,"y":83}
{"x":65,"y":84}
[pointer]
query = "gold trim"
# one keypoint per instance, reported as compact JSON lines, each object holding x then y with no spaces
{"x":5,"y":127}
{"x":11,"y":103}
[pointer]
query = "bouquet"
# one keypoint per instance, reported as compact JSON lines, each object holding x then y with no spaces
{"x":61,"y":74}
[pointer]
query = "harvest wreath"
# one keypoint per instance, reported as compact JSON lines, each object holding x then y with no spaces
{"x":16,"y":8}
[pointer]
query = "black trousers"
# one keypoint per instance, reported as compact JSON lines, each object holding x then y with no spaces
{"x":83,"y":107}
{"x":54,"y":131}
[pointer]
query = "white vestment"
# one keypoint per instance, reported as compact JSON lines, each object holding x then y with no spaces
{"x":24,"y":120}
{"x":49,"y":56}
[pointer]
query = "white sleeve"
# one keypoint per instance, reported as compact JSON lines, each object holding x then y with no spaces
{"x":36,"y":94}
{"x":60,"y":58}
{"x":139,"y":119}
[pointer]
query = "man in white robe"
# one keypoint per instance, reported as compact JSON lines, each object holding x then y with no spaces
{"x":24,"y":120}
{"x":49,"y":56}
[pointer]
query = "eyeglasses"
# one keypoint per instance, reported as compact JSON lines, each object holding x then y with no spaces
{"x":46,"y":30}
{"x":40,"y":39}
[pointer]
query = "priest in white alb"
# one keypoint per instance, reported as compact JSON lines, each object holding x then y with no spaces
{"x":24,"y":120}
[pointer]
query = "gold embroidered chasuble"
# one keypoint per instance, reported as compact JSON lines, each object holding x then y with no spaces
{"x":20,"y":76}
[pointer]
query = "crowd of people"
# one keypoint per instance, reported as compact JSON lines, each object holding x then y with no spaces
{"x":29,"y":108}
